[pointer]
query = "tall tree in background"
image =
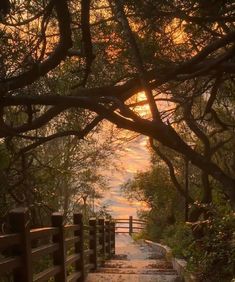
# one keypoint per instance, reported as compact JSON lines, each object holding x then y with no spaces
{"x":56,"y":176}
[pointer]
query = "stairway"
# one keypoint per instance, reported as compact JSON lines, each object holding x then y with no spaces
{"x":134,"y":262}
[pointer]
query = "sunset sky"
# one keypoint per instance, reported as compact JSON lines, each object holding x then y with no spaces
{"x":135,"y":157}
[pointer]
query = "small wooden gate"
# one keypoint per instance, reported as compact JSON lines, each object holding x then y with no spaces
{"x":129,"y":225}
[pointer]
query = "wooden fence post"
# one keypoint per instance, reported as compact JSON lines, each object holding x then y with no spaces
{"x":79,"y":246}
{"x":59,"y":256}
{"x":102,"y":239}
{"x":130,"y":225}
{"x":112,"y":231}
{"x":19,"y":222}
{"x":93,"y":242}
{"x":107,"y":238}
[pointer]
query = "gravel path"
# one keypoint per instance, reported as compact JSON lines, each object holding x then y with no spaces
{"x":134,"y":262}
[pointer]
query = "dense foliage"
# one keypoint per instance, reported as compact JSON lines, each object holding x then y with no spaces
{"x":207,"y":243}
{"x":68,"y":65}
{"x":102,"y":53}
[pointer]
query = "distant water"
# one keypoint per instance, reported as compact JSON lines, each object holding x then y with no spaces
{"x":134,"y":157}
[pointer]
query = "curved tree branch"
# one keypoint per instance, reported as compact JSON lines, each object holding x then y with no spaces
{"x":171,"y":171}
{"x":59,"y":54}
{"x":79,"y":134}
{"x":6,"y":130}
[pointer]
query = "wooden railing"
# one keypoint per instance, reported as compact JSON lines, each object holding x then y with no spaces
{"x":129,"y":225}
{"x":62,"y":252}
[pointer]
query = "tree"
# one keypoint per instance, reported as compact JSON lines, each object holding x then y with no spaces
{"x":180,"y":53}
{"x":57,"y":176}
{"x":205,"y":242}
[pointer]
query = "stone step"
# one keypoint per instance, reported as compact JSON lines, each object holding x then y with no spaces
{"x":106,"y":277}
{"x":126,"y":270}
{"x":134,"y":262}
{"x":146,"y":264}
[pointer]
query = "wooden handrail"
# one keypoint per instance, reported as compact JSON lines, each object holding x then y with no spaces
{"x":46,"y":274}
{"x":10,"y":264}
{"x":44,"y":250}
{"x":43,"y":232}
{"x":19,"y":258}
{"x":127,"y":219}
{"x":9,"y":240}
{"x":55,"y":240}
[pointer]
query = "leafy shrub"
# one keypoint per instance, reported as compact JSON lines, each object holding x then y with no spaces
{"x":178,"y":237}
{"x":213,"y":257}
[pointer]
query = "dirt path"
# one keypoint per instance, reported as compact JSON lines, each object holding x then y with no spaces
{"x":134,"y":262}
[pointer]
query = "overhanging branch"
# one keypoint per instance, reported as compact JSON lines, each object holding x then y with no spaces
{"x":59,"y":54}
{"x":79,"y":134}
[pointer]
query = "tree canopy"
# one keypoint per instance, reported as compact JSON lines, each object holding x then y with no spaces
{"x":95,"y":57}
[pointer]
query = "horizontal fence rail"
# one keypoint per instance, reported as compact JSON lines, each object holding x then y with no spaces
{"x":62,"y":252}
{"x":129,"y":225}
